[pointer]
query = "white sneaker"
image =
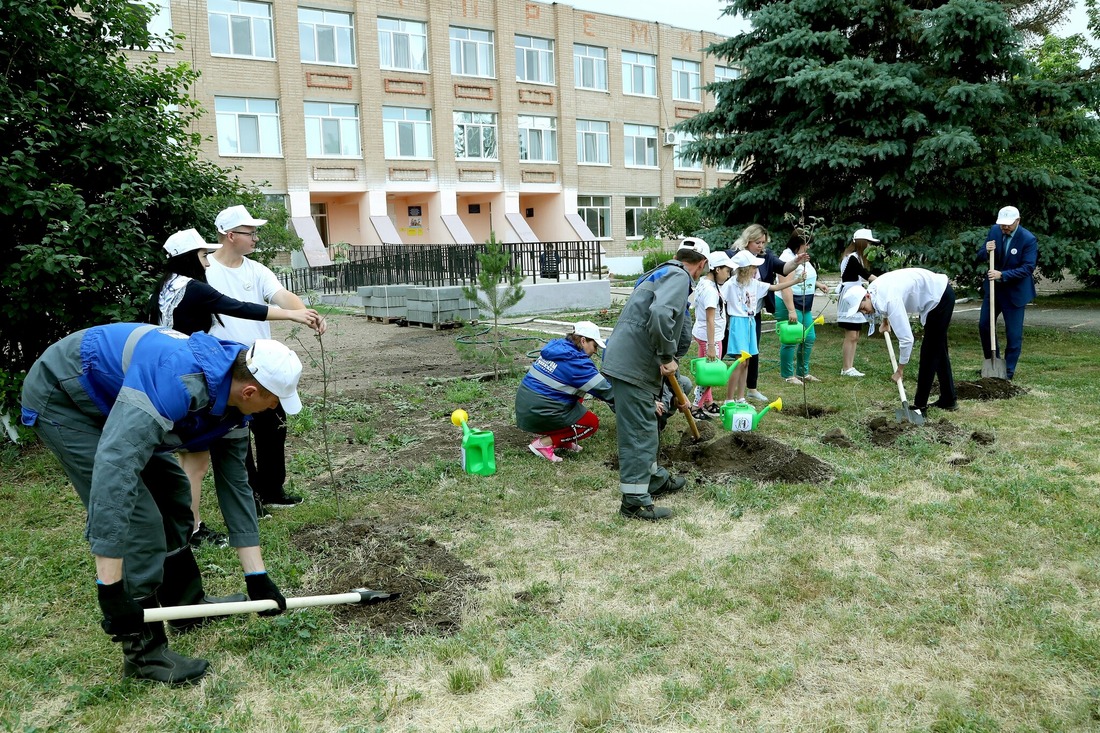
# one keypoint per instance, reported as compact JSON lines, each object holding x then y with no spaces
{"x":851,"y":372}
{"x":755,"y":394}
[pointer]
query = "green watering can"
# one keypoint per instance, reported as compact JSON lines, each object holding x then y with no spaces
{"x":477,"y":447}
{"x":795,"y":333}
{"x":714,"y":373}
{"x":739,"y":417}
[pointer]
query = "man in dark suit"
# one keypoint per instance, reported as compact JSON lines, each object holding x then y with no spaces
{"x":1014,"y":251}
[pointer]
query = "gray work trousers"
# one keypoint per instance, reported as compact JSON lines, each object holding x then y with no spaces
{"x":161,"y":522}
{"x":636,"y":429}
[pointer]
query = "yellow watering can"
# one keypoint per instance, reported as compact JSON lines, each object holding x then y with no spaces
{"x":740,"y":417}
{"x":795,"y":333}
{"x":714,"y":373}
{"x":478,"y":455}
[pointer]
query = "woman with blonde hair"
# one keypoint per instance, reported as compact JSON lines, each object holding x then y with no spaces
{"x":854,"y":271}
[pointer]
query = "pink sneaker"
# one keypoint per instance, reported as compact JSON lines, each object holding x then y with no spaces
{"x":571,"y":447}
{"x":546,"y":451}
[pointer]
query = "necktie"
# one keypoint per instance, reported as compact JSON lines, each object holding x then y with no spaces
{"x":1004,"y":249}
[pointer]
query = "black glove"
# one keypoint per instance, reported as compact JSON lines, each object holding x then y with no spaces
{"x":122,"y":616}
{"x":260,"y":588}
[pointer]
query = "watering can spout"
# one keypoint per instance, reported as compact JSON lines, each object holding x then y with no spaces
{"x":777,"y":404}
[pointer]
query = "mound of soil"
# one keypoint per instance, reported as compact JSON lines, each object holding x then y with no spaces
{"x":886,"y":430}
{"x":837,"y":437}
{"x":752,"y":456}
{"x":982,"y":438}
{"x":432,"y":582}
{"x":988,"y":388}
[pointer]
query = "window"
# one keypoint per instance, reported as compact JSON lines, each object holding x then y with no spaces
{"x":472,"y":52}
{"x":332,"y":130}
{"x":681,"y":161}
{"x":247,"y":126}
{"x":726,"y":73}
{"x":590,"y":67}
{"x":538,"y":139}
{"x":159,"y":25}
{"x":407,"y":132}
{"x":534,"y":60}
{"x":593,"y":142}
{"x":639,"y":74}
{"x":686,"y":80}
{"x":684,"y":201}
{"x":403,"y":44}
{"x":641,"y":146}
{"x":240,"y":28}
{"x":326,"y":37}
{"x":596,"y":212}
{"x":636,"y":208}
{"x":476,"y":135}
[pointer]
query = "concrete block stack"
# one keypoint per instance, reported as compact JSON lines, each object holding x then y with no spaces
{"x":389,"y":302}
{"x":433,"y":306}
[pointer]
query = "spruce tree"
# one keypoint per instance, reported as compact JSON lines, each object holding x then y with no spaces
{"x":917,"y":119}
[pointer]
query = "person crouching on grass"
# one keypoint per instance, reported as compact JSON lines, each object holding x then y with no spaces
{"x":549,"y":399}
{"x":743,"y":294}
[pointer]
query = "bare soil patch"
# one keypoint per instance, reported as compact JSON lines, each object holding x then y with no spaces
{"x":752,"y":456}
{"x":988,"y":388}
{"x":885,"y":431}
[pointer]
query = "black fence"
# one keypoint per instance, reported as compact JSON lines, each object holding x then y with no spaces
{"x":444,"y":264}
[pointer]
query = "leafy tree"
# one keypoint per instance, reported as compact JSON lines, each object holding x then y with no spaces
{"x":275,"y":236}
{"x":496,"y":270}
{"x":919,"y":120}
{"x":95,"y":171}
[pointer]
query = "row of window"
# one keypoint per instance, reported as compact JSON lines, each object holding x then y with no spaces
{"x":596,"y":212}
{"x":244,"y":28}
{"x":250,"y":126}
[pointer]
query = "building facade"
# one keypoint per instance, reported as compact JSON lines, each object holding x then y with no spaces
{"x":437,"y":121}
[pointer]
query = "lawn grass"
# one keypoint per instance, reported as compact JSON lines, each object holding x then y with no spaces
{"x":907,"y":594}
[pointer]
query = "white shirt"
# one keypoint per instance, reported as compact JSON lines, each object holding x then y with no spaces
{"x":707,"y":296}
{"x":807,"y":286}
{"x":251,"y":283}
{"x":743,"y":301}
{"x":901,"y":292}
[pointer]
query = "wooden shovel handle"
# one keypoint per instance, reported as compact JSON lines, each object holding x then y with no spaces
{"x":894,"y":363}
{"x":682,"y":403}
{"x":992,"y":312}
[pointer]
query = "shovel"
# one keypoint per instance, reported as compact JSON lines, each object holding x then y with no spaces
{"x":995,"y":366}
{"x":684,"y":405}
{"x":363,"y":596}
{"x":903,"y":413}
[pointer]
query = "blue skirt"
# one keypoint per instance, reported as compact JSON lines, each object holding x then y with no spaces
{"x":742,"y":336}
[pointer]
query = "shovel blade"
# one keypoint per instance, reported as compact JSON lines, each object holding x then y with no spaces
{"x":904,"y":414}
{"x":994,"y":368}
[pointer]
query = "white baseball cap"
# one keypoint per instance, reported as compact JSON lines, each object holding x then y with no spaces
{"x":186,"y":241}
{"x":719,"y":259}
{"x":864,"y":234}
{"x":234,"y":217}
{"x":744,"y":258}
{"x":590,"y":330}
{"x":696,"y":244}
{"x":848,"y":308}
{"x":278,"y":370}
{"x":1008,"y":215}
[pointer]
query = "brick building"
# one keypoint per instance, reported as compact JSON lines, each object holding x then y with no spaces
{"x":434,"y":121}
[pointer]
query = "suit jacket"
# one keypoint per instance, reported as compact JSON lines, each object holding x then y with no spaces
{"x":1017,"y":266}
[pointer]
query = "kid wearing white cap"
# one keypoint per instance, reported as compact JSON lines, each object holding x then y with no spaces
{"x":710,"y":324}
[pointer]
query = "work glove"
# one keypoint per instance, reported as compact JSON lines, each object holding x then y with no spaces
{"x":122,"y":616}
{"x":260,"y":588}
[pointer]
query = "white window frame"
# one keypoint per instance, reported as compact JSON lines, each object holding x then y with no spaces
{"x":583,"y":56}
{"x":318,"y":27}
{"x":259,"y":115}
{"x":416,"y":121}
{"x":638,"y":206}
{"x":598,"y":134}
{"x":541,"y":129}
{"x":726,"y":73}
{"x":483,"y":125}
{"x":388,"y":44}
{"x":645,"y":64}
{"x":679,"y":163}
{"x":532,"y":51}
{"x":639,"y":138}
{"x":237,"y":13}
{"x":327,"y":119}
{"x":598,"y":207}
{"x":483,"y":50}
{"x":687,"y":80}
{"x":159,"y":25}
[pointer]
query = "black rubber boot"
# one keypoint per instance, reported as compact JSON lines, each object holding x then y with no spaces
{"x":147,"y":657}
{"x":641,"y":507}
{"x":182,"y":586}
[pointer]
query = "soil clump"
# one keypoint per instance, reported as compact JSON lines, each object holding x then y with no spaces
{"x":988,"y":388}
{"x":752,"y":456}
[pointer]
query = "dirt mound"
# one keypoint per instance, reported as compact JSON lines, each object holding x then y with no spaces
{"x":432,"y":582}
{"x":988,"y":388}
{"x":752,"y":456}
{"x":885,"y":431}
{"x":837,"y":437}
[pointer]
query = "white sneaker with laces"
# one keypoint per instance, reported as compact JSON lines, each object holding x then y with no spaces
{"x":851,"y":372}
{"x":755,"y":394}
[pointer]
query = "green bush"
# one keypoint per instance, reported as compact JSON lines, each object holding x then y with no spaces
{"x":652,"y":259}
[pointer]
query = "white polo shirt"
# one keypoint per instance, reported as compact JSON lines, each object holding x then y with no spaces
{"x":251,"y":283}
{"x":901,"y":292}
